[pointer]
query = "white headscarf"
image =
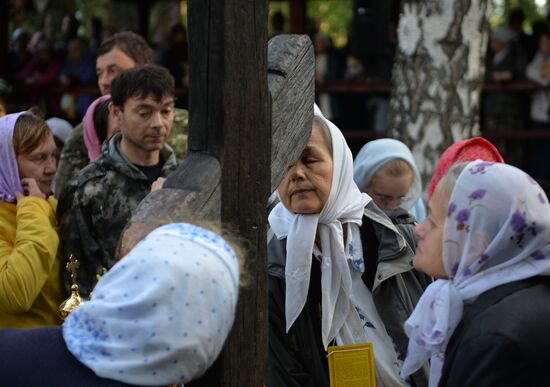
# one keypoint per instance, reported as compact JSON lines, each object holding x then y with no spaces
{"x":161,"y":314}
{"x":341,"y":286}
{"x":497,"y":231}
{"x":375,"y":154}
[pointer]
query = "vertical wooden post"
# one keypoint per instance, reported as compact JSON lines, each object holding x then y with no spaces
{"x":230,"y":119}
{"x":206,"y":71}
{"x":231,"y":122}
{"x":298,"y":16}
{"x":246,"y":180}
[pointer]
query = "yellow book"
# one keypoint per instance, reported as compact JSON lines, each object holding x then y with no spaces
{"x":351,"y":365}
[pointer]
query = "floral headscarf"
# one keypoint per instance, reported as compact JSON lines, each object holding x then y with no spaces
{"x":10,"y":181}
{"x":162,"y":313}
{"x":497,"y":231}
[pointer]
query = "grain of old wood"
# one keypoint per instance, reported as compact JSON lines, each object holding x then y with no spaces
{"x":251,"y":107}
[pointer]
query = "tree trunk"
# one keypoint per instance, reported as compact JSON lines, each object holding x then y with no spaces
{"x":438,"y":75}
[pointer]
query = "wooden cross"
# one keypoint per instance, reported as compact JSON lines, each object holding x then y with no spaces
{"x":250,"y":116}
{"x":72,"y":267}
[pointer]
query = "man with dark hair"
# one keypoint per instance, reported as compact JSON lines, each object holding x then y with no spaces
{"x":98,"y":202}
{"x":122,"y":51}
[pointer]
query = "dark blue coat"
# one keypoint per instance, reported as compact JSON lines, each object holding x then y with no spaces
{"x":38,"y":357}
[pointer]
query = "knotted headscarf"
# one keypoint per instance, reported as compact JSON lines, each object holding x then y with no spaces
{"x":162,"y":313}
{"x":496,"y":231}
{"x":344,"y":295}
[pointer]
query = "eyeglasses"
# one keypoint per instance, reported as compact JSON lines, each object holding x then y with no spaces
{"x":389,"y":201}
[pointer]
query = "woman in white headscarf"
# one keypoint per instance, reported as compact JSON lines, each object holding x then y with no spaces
{"x":485,"y":321}
{"x":386,"y":171}
{"x":160,"y":316}
{"x":340,"y":271}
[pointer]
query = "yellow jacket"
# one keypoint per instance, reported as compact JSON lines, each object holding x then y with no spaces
{"x":30,"y":284}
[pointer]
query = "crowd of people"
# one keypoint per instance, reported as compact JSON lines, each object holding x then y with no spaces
{"x":451,"y":293}
{"x":59,"y":74}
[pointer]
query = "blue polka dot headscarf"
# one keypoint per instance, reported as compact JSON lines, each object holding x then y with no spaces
{"x":161,"y":314}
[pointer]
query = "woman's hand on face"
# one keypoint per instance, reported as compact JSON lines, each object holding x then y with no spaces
{"x":30,"y":188}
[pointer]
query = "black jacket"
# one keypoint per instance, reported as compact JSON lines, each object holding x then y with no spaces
{"x":503,"y":339}
{"x":298,"y":359}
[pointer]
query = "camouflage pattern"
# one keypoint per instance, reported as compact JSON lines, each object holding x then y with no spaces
{"x":96,"y":205}
{"x":178,"y":135}
{"x":74,"y":156}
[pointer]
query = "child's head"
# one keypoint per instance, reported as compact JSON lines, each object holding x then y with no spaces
{"x":385,"y":170}
{"x":390,"y":184}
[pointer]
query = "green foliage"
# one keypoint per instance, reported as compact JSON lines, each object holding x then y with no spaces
{"x":88,"y":9}
{"x":534,"y":10}
{"x":332,"y":16}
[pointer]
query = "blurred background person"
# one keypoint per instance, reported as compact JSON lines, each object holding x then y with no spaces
{"x":386,"y":171}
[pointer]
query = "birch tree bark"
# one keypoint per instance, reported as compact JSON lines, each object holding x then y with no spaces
{"x":438,"y":75}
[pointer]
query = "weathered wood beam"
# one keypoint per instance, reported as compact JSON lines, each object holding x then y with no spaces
{"x":246,"y":181}
{"x":206,"y":48}
{"x":291,"y":85}
{"x":231,"y":121}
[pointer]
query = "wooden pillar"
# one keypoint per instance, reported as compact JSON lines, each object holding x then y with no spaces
{"x":246,"y":180}
{"x":298,"y":16}
{"x":235,"y":160}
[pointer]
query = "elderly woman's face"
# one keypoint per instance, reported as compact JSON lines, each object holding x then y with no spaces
{"x":306,"y":186}
{"x":429,"y":258}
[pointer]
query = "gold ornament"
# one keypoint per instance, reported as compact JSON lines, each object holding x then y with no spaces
{"x":74,"y":299}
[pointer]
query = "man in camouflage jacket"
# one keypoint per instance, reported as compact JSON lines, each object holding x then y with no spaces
{"x":99,"y":201}
{"x":120,"y":52}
